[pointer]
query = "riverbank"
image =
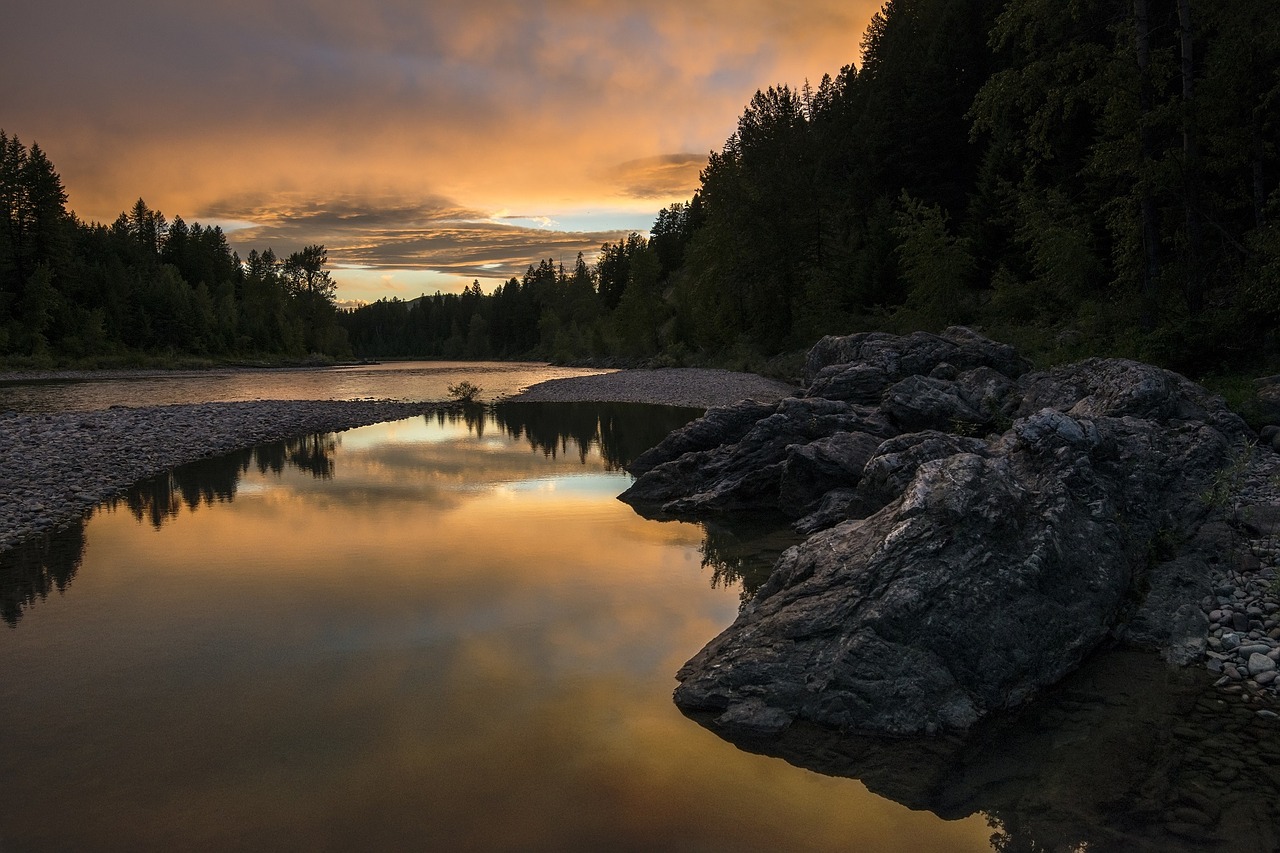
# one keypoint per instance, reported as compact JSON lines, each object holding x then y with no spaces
{"x":54,"y":467}
{"x":675,"y":386}
{"x":57,"y":466}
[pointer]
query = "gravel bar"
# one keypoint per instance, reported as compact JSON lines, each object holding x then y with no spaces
{"x":673,"y":386}
{"x":56,"y":467}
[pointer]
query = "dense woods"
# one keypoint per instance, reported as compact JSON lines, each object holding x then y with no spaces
{"x":1089,"y":177}
{"x":144,"y":285}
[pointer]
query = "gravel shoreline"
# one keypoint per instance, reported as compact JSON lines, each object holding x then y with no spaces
{"x":674,"y":386}
{"x":55,"y":467}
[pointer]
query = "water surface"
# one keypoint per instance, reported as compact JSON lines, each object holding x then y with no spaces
{"x":442,"y":633}
{"x":397,"y":380}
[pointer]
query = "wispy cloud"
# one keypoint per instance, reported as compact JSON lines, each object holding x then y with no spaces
{"x":387,"y":233}
{"x":226,"y":110}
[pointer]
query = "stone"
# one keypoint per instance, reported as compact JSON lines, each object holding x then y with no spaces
{"x":1007,"y":524}
{"x":1259,"y":663}
{"x":810,"y":471}
{"x":753,"y":717}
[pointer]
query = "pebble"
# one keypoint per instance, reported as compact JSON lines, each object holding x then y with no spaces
{"x":1243,"y":640}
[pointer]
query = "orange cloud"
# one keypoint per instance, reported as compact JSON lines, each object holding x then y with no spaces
{"x":560,"y":107}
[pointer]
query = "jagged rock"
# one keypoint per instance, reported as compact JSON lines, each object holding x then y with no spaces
{"x":812,"y":470}
{"x":745,"y":475}
{"x":870,"y":354}
{"x":953,"y":575}
{"x":720,"y":425}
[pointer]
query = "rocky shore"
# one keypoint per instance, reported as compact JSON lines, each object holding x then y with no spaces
{"x":1243,"y":609}
{"x":976,"y":531}
{"x":56,"y":467}
{"x":676,"y":386}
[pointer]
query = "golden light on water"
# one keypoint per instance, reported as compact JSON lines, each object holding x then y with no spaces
{"x":402,"y":656}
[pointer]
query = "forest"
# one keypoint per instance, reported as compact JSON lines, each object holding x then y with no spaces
{"x":144,"y":287}
{"x":1075,"y":177}
{"x":1093,"y":177}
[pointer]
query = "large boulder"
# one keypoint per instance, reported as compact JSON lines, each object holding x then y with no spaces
{"x":1004,"y":526}
{"x":743,"y":473}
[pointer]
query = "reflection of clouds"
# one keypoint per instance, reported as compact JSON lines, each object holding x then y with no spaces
{"x":309,"y":673}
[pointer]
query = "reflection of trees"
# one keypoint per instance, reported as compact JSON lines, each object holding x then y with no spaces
{"x":622,"y":431}
{"x":215,"y":480}
{"x":36,"y":567}
{"x":744,"y":551}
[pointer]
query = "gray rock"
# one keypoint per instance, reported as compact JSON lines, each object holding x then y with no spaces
{"x":719,"y":426}
{"x":1259,"y":663}
{"x":983,"y":569}
{"x":812,"y":470}
{"x":744,"y":474}
{"x":753,"y":717}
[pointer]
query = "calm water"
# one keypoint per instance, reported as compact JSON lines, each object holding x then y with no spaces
{"x":436,"y":634}
{"x":399,"y":380}
{"x":446,"y":633}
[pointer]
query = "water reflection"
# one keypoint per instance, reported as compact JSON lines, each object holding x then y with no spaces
{"x":621,"y":431}
{"x":617,"y":431}
{"x":37,"y":567}
{"x":209,"y":481}
{"x":456,"y":642}
{"x":1125,"y":755}
{"x":742,"y":551}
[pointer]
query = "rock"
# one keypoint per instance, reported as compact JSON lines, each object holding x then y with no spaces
{"x":983,"y":568}
{"x":898,"y":357}
{"x":720,"y":425}
{"x":812,"y":470}
{"x":1259,"y":663}
{"x":753,"y":717}
{"x":743,"y":474}
{"x":1267,"y":399}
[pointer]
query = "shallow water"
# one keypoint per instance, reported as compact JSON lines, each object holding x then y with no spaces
{"x":398,"y":380}
{"x":443,"y":633}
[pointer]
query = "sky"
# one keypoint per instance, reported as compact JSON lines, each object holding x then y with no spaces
{"x":425,"y":143}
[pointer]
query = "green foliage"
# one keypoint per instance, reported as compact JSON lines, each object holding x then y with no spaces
{"x":1088,"y":177}
{"x":936,"y":267}
{"x":464,"y":392}
{"x":144,"y":288}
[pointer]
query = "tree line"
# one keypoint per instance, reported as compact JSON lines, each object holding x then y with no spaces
{"x":144,"y":285}
{"x":1084,"y":177}
{"x":1094,"y":176}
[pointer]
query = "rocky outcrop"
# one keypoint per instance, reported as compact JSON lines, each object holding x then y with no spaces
{"x":1004,"y":525}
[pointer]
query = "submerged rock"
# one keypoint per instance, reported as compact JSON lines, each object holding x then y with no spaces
{"x":1004,"y":525}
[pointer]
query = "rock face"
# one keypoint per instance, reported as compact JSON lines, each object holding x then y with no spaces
{"x":977,"y":529}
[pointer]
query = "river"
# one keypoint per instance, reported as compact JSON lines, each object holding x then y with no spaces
{"x":446,"y":633}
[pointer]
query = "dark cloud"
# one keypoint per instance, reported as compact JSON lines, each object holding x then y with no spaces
{"x":390,"y":234}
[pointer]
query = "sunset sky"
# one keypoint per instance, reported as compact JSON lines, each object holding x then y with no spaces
{"x":425,"y":144}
